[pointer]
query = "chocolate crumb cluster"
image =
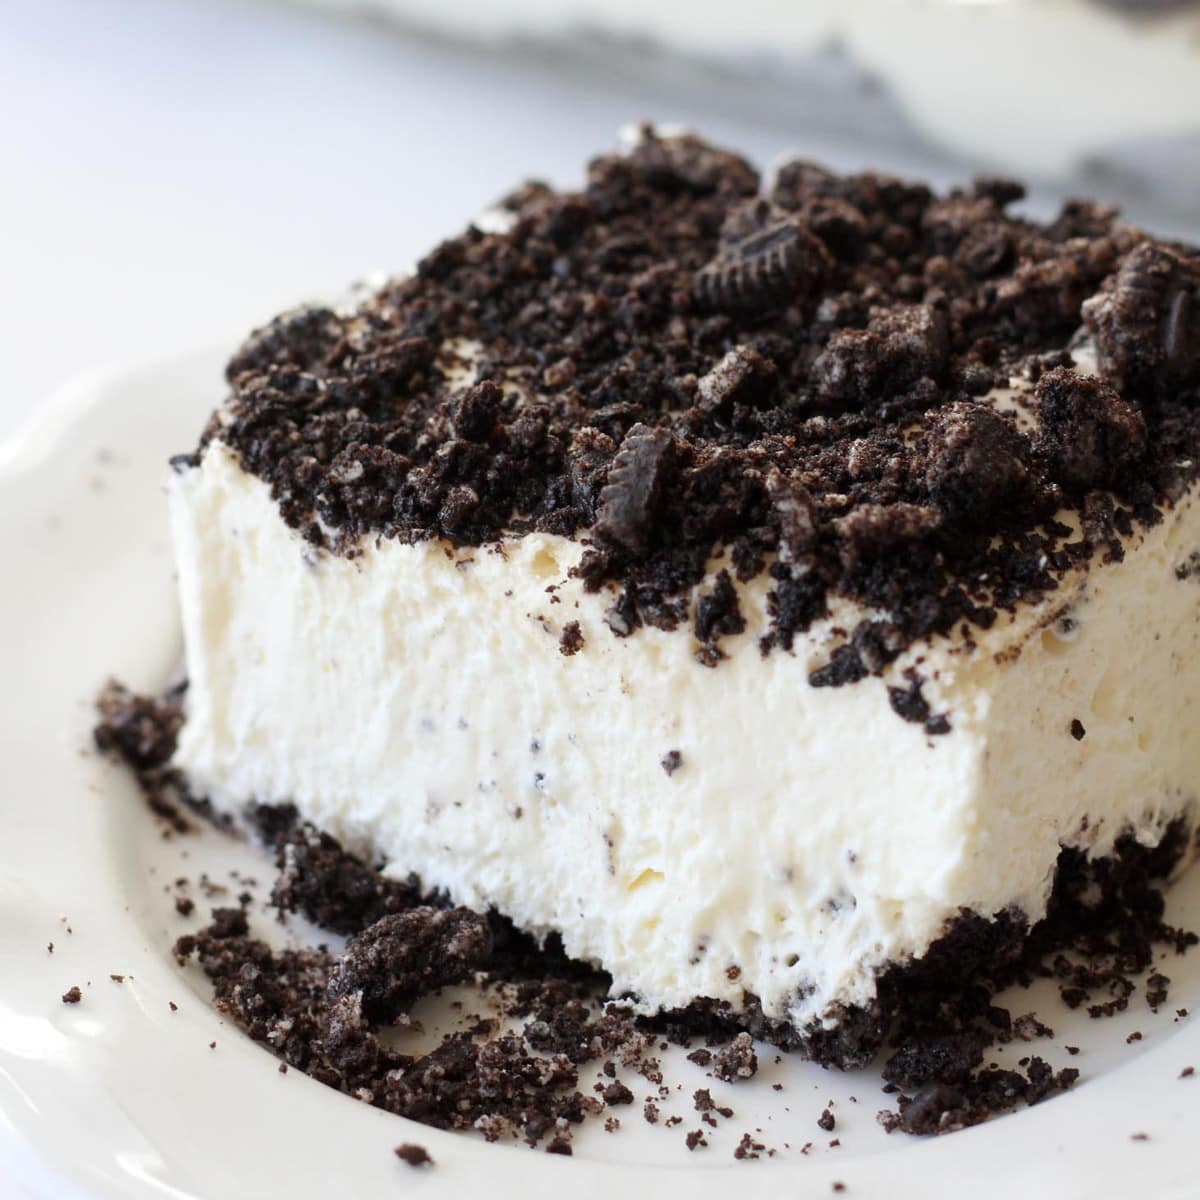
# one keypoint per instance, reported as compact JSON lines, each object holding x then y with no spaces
{"x":673,"y":362}
{"x":141,"y":731}
{"x":335,"y":1015}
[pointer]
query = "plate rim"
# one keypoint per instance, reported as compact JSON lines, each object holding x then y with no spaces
{"x":65,"y":425}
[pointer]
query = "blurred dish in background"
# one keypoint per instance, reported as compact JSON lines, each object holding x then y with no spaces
{"x":1100,"y":96}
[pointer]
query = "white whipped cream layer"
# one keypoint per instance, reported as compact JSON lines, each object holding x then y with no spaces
{"x":414,"y":702}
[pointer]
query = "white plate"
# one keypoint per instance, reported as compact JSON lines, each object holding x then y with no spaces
{"x":121,"y":1097}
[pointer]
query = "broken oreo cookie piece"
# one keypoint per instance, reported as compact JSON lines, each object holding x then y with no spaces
{"x":1146,"y":322}
{"x":1088,"y":434}
{"x":766,"y":258}
{"x":873,"y":530}
{"x":861,"y":367}
{"x":691,"y":164}
{"x":635,"y":484}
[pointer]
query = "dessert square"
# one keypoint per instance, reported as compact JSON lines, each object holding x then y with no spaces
{"x":762,"y":588}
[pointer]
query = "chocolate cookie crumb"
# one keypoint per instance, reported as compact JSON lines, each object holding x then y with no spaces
{"x":141,"y":731}
{"x":909,"y":703}
{"x":414,"y":1154}
{"x":331,"y":887}
{"x":666,"y":365}
{"x":1146,"y":321}
{"x":1090,"y":436}
{"x":571,"y":641}
{"x":1156,"y":990}
{"x":671,"y":761}
{"x":827,"y":1121}
{"x":737,"y":1060}
{"x":1028,"y":1028}
{"x":717,"y":612}
{"x":743,"y":376}
{"x":977,"y":462}
{"x":72,"y":996}
{"x":636,"y":480}
{"x":870,"y":532}
{"x":748,"y":1148}
{"x":1077,"y":730}
{"x":766,"y":258}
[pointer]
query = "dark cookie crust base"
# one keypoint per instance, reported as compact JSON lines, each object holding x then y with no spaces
{"x":1116,"y":898}
{"x":934,"y":1017}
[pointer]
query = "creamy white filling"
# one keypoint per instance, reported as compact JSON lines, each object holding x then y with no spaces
{"x":413,"y":701}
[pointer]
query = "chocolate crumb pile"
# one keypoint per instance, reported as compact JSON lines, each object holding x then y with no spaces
{"x":1103,"y":924}
{"x":672,"y":361}
{"x":141,"y":731}
{"x":340,"y":1017}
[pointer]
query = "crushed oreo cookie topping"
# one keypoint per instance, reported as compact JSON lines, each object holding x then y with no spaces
{"x":737,"y":1060}
{"x":332,"y":889}
{"x":668,"y":363}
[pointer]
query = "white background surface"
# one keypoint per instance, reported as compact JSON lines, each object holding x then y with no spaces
{"x":174,"y":167}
